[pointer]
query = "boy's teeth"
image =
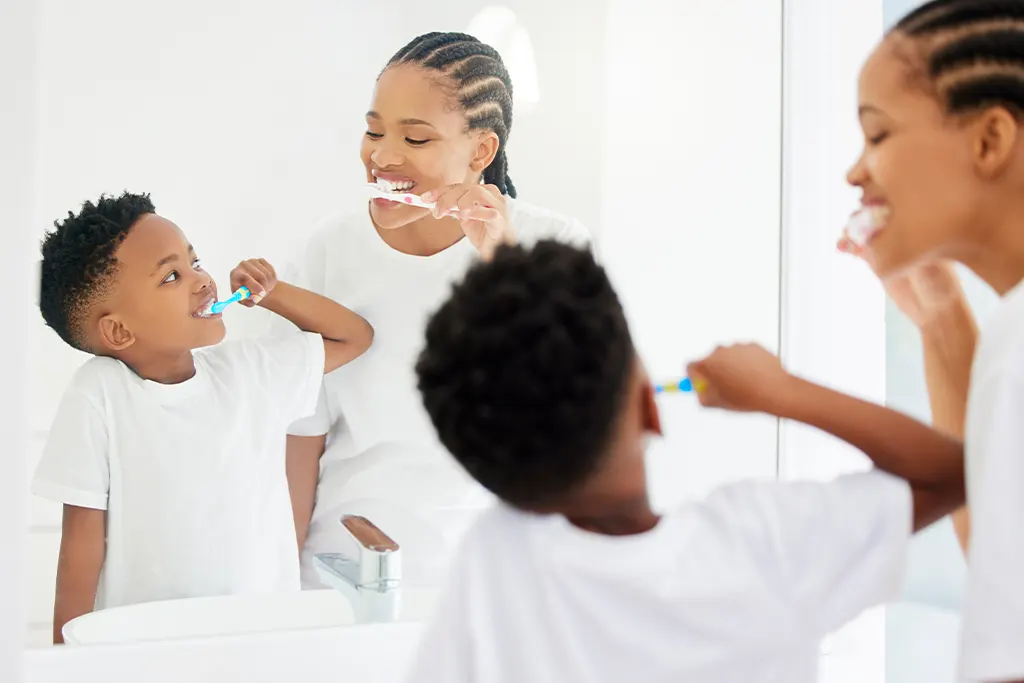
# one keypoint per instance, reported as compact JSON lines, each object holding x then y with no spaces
{"x":207,"y":310}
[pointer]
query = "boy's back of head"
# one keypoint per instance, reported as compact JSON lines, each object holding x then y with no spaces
{"x":118,"y":280}
{"x":531,"y":379}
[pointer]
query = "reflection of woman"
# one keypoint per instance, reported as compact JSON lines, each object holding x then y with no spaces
{"x":931,"y":297}
{"x":438,"y":125}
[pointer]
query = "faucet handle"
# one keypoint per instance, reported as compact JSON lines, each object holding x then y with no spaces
{"x":367,"y":534}
{"x":380,"y":560}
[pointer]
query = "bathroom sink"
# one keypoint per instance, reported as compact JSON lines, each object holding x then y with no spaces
{"x":232,"y":615}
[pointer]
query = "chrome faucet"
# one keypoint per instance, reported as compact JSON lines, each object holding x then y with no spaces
{"x":371,"y":578}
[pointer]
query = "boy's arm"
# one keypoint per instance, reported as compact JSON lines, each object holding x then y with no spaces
{"x":82,"y":550}
{"x":303,"y":468}
{"x":748,"y":378}
{"x":346,"y":334}
{"x":930,"y":461}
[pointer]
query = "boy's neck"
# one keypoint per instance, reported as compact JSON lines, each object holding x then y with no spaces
{"x":628,"y":519}
{"x":164,"y":369}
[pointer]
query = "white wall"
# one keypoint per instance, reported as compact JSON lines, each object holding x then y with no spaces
{"x":694,"y":115}
{"x":833,"y":308}
{"x":18,"y":50}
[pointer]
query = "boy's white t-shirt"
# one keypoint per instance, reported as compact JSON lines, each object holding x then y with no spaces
{"x":191,"y":475}
{"x":993,"y":622}
{"x":383,"y":459}
{"x":738,"y":588}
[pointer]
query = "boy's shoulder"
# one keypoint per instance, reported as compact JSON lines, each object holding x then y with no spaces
{"x":99,"y":375}
{"x":289,"y":349}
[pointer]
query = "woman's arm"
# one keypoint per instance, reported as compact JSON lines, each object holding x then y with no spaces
{"x":949,"y":340}
{"x":932,"y":298}
{"x":302,"y":462}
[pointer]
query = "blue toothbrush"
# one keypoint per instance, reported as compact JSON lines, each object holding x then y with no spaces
{"x":240,"y":294}
{"x":682,"y":386}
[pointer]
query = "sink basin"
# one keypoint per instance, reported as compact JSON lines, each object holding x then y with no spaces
{"x":231,"y":615}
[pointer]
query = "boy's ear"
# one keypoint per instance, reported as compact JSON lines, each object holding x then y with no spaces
{"x":651,"y":416}
{"x":114,"y":335}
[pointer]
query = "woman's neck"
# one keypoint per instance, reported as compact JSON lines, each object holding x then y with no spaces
{"x":425,"y":237}
{"x":999,"y":261}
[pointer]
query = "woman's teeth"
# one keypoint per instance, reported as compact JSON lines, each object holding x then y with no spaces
{"x":395,"y":185}
{"x":866,"y":223}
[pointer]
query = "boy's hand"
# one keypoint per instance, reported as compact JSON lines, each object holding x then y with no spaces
{"x":742,"y":377}
{"x":258,"y":276}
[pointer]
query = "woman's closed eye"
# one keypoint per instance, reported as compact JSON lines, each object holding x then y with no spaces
{"x":374,"y":136}
{"x":416,"y":143}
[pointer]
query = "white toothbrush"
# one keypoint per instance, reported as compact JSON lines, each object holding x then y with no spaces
{"x":400,"y":197}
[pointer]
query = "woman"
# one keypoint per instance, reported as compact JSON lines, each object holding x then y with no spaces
{"x":942,"y":112}
{"x":437,"y":126}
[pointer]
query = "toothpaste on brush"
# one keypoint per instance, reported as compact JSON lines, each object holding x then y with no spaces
{"x":865,"y":223}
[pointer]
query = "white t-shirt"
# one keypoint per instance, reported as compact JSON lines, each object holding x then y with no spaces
{"x":739,"y":588}
{"x":993,"y":627}
{"x":192,"y":475}
{"x":383,"y":459}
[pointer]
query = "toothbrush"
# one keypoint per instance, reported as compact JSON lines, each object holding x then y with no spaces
{"x":684,"y":386}
{"x":240,"y":294}
{"x":401,"y":197}
{"x":865,"y":223}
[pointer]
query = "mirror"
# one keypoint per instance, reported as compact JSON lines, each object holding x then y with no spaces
{"x":653,"y":125}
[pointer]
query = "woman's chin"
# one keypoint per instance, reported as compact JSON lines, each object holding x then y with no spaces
{"x":392,"y":215}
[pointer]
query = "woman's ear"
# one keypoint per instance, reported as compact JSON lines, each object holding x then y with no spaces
{"x":486,"y":149}
{"x":995,"y":141}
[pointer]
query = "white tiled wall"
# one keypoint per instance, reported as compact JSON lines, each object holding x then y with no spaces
{"x":41,"y":560}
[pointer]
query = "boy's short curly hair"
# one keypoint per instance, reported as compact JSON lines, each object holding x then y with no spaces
{"x":79,"y":262}
{"x":524,"y":371}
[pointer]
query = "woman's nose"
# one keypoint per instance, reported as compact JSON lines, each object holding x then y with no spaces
{"x":384,"y":155}
{"x":858,"y":173}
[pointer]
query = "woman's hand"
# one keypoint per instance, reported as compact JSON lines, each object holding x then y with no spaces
{"x":931,"y":296}
{"x":925,"y":293}
{"x":481,"y":210}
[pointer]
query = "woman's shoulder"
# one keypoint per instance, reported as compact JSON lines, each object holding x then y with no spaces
{"x":533,"y":223}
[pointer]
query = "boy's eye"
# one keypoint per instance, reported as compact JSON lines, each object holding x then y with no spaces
{"x":414,"y":142}
{"x":374,"y":136}
{"x":171,"y":277}
{"x":197,"y":264}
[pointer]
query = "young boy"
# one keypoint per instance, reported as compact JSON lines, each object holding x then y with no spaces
{"x":170,"y":461}
{"x":533,"y":384}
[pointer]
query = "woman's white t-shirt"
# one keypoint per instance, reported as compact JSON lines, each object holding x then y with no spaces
{"x":383,"y":459}
{"x":993,"y":629}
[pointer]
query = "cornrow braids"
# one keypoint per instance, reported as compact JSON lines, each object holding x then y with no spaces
{"x":974,"y":52}
{"x":482,"y":87}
